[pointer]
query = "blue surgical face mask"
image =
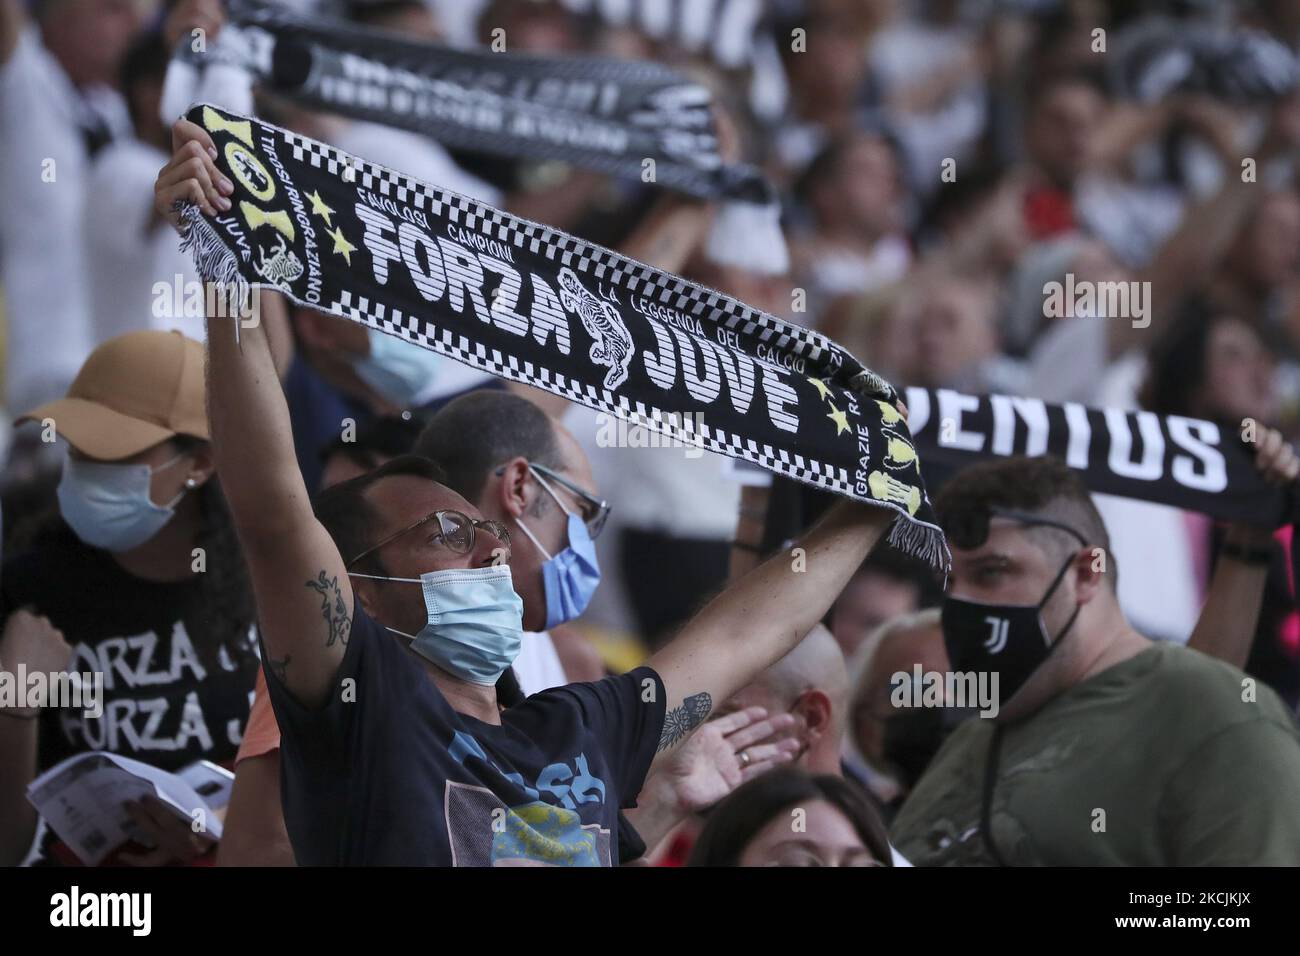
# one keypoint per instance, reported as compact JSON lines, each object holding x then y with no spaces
{"x":107,"y":505}
{"x":570,"y":577}
{"x":475,"y":626}
{"x":398,"y":370}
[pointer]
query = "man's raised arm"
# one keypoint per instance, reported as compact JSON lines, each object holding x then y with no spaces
{"x":304,"y":599}
{"x":758,"y":619}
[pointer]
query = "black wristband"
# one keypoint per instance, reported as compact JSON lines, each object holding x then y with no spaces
{"x":1261,"y":557}
{"x":755,"y":549}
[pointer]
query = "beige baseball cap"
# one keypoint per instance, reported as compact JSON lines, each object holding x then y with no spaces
{"x":133,"y":392}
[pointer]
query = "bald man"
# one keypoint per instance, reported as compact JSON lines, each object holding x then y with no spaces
{"x":811,"y":683}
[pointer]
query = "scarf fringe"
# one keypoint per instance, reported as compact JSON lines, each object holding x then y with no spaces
{"x":213,"y":260}
{"x":920,"y":540}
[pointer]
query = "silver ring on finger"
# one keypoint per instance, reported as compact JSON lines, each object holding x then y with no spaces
{"x":744,"y":758}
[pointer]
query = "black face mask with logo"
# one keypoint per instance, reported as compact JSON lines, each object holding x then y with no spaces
{"x":1009,"y":639}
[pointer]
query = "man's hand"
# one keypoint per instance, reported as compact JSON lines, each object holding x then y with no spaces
{"x":725,"y":753}
{"x":759,"y":618}
{"x":174,"y":839}
{"x":30,"y":640}
{"x":190,"y":15}
{"x":718,"y":758}
{"x":191,"y":175}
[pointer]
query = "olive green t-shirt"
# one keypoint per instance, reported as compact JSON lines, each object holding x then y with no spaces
{"x":1161,"y":760}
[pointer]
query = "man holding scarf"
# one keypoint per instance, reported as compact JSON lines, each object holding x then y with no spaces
{"x":389,"y":613}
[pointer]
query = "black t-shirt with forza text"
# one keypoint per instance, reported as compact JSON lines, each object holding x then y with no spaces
{"x":173,"y":692}
{"x":387,"y":773}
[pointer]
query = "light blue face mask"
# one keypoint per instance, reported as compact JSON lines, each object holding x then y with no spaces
{"x":570,"y":577}
{"x":107,"y":505}
{"x":398,"y":370}
{"x":475,"y":627}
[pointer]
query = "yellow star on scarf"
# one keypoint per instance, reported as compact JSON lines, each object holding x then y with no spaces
{"x":341,"y":244}
{"x":319,"y":208}
{"x":840,"y":419}
{"x":821,"y":386}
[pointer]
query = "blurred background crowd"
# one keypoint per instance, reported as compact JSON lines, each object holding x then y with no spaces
{"x":939,"y":163}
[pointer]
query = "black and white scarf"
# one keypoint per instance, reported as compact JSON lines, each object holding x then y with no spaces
{"x":734,"y":34}
{"x":1187,"y":463}
{"x":625,"y":118}
{"x":528,"y":303}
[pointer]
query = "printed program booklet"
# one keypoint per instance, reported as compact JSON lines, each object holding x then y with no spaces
{"x":83,"y":799}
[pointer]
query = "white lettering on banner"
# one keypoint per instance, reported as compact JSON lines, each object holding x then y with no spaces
{"x":310,"y":247}
{"x":791,"y":363}
{"x":1152,"y":465}
{"x":918,"y":409}
{"x":661,"y":367}
{"x":548,"y":315}
{"x":860,"y":485}
{"x":464,"y":277}
{"x":474,"y":240}
{"x":507,"y":294}
{"x":429,"y":278}
{"x":739,"y":371}
{"x":442,"y":266}
{"x":1196,"y":462}
{"x":383,"y":204}
{"x":779,"y":395}
{"x":706,"y":388}
{"x":736,"y":368}
{"x":951,"y":407}
{"x":1031,"y":411}
{"x":1076,"y":452}
{"x":667,"y":316}
{"x":382,"y":249}
{"x":1198,"y":438}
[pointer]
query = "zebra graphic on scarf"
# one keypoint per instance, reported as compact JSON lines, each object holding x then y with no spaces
{"x":612,"y":345}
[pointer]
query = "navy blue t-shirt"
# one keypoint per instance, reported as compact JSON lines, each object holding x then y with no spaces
{"x":387,"y":773}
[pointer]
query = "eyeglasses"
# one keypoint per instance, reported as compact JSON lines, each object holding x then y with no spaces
{"x":595,"y":511}
{"x":970,"y":529}
{"x":456,"y":531}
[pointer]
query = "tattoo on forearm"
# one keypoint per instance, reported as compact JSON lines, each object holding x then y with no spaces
{"x":278,"y":668}
{"x":333,"y":608}
{"x":680,"y":721}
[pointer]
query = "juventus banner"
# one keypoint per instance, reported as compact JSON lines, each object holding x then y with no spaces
{"x":1188,"y":463}
{"x":528,"y":303}
{"x":626,"y":118}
